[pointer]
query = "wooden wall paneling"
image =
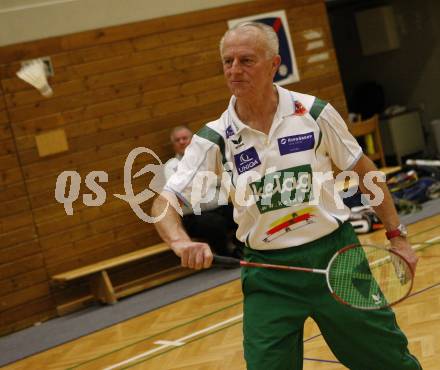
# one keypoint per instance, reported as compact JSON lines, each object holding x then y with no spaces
{"x":94,"y":255}
{"x":124,"y":68}
{"x":80,"y":237}
{"x":10,"y":207}
{"x":16,"y":252}
{"x":62,"y":59}
{"x":49,"y":213}
{"x":139,"y":117}
{"x":27,"y":96}
{"x":10,"y":176}
{"x":23,"y":281}
{"x":21,"y":266}
{"x":57,"y":237}
{"x":202,"y":57}
{"x":15,"y":221}
{"x":90,"y":39}
{"x":17,"y":236}
{"x":308,"y":17}
{"x":82,"y":248}
{"x":9,"y":161}
{"x":57,"y":164}
{"x":116,"y":89}
{"x":49,"y":220}
{"x":53,"y":238}
{"x":77,"y":240}
{"x":95,"y":52}
{"x":23,"y":278}
{"x":22,"y":296}
{"x":17,"y":87}
{"x":5,"y":133}
{"x":179,"y":36}
{"x":37,"y":125}
{"x":25,"y":315}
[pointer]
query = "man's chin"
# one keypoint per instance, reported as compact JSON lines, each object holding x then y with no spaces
{"x":240,"y":91}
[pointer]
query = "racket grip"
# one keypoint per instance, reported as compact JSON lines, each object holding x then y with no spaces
{"x":227,"y":262}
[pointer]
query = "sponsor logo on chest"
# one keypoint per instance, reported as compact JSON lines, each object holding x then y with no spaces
{"x":284,"y":188}
{"x":229,"y":132}
{"x":246,"y":160}
{"x":296,"y":143}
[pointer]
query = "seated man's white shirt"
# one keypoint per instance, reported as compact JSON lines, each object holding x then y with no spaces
{"x":277,"y":173}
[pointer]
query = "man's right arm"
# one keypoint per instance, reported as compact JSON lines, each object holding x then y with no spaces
{"x":192,"y":254}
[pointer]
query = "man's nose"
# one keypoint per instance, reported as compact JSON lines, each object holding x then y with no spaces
{"x":236,"y":66}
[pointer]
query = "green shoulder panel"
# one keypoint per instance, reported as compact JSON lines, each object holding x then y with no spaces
{"x":315,"y":111}
{"x":317,"y":108}
{"x":319,"y":141}
{"x":214,"y":137}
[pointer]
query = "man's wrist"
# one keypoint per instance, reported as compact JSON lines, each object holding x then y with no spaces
{"x":172,"y":241}
{"x":399,"y":231}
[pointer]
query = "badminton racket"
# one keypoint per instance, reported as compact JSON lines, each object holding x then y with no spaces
{"x":366,"y":277}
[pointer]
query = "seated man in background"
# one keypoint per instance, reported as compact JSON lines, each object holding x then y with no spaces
{"x":215,"y":224}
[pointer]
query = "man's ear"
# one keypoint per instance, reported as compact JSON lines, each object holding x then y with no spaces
{"x":276,"y":61}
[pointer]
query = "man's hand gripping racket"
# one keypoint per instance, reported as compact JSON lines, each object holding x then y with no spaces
{"x":365,"y":277}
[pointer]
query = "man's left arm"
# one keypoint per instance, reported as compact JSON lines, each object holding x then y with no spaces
{"x":385,"y":210}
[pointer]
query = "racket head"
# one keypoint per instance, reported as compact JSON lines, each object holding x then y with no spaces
{"x":369,"y":277}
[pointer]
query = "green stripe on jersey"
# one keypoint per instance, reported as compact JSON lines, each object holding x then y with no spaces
{"x":214,"y":137}
{"x":319,"y":140}
{"x":317,"y":108}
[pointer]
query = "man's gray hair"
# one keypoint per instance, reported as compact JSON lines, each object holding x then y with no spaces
{"x":270,"y":37}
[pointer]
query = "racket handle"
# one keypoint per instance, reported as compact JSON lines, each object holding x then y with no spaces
{"x":227,"y":262}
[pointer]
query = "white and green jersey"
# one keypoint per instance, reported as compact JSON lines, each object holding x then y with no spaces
{"x":275,"y":177}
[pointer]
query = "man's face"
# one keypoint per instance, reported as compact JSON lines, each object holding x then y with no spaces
{"x":245,"y":64}
{"x":181,"y":140}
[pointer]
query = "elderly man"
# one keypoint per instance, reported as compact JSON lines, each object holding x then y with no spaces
{"x":284,"y":137}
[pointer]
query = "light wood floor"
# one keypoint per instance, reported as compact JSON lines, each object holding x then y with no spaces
{"x":203,"y":332}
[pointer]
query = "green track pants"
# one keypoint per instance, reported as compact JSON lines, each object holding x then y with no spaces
{"x":277,"y":303}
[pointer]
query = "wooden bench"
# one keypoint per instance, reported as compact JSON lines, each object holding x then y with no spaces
{"x":101,"y":286}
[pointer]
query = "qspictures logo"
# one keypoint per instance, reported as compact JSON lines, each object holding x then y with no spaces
{"x":134,"y":200}
{"x":271,"y":191}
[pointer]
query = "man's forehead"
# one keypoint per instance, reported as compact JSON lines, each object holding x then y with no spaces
{"x":244,"y":40}
{"x":249,"y":34}
{"x":182,"y":131}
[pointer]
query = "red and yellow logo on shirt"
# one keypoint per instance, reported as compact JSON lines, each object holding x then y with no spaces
{"x":288,"y":223}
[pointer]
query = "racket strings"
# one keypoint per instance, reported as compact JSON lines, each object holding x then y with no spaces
{"x":369,"y":277}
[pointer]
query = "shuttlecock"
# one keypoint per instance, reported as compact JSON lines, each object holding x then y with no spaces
{"x":34,"y":73}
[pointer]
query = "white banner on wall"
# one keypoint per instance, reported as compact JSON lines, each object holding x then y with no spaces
{"x":288,"y":70}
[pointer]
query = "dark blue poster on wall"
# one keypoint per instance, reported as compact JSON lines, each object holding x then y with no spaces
{"x":287,"y":72}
